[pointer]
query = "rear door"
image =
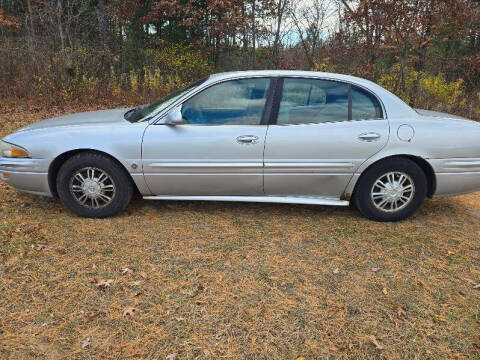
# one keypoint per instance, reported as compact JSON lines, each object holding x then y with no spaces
{"x":218,"y":149}
{"x":323,"y":132}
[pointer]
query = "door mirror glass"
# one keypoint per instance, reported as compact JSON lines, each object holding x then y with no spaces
{"x":174,"y":117}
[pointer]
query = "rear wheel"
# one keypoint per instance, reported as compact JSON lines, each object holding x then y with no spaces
{"x":391,"y":190}
{"x":92,"y":185}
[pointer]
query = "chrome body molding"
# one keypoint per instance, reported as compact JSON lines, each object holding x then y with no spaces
{"x":266,"y":199}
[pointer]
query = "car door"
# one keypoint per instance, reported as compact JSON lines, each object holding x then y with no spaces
{"x":323,"y":132}
{"x":217,"y":149}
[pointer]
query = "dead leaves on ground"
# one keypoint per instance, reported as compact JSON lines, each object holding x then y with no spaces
{"x":129,"y":311}
{"x":126,"y":271}
{"x":86,"y":342}
{"x":372,"y":339}
{"x":103,"y":284}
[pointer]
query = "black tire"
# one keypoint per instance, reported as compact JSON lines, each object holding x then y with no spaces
{"x":362,"y":197}
{"x":122,"y":183}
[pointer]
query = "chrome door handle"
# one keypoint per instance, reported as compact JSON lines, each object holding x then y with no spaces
{"x":247,"y":139}
{"x":369,"y":136}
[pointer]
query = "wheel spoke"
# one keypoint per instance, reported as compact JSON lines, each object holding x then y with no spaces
{"x":383,"y":203}
{"x":80,"y":177}
{"x":105,"y":198}
{"x":102,"y":177}
{"x":407,"y":188}
{"x":380,"y":184}
{"x":83,"y":199}
{"x":377,"y":195}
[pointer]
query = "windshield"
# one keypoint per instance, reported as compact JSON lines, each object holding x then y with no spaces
{"x":147,"y":111}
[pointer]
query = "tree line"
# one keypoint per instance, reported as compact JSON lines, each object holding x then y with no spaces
{"x":426,"y":51}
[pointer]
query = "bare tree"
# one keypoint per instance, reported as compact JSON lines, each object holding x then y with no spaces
{"x":281,"y":9}
{"x":310,"y":22}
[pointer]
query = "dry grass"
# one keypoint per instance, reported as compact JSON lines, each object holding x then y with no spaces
{"x":236,"y":281}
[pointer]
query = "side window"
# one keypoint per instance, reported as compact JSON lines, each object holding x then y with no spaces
{"x":236,"y":102}
{"x":364,"y":105}
{"x":306,"y":101}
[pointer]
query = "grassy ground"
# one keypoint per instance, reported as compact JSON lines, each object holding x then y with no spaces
{"x":236,"y":281}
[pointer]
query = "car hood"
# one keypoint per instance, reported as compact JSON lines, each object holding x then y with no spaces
{"x":103,"y":117}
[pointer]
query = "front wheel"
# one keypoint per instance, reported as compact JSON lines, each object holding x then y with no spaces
{"x":92,"y":185}
{"x":391,"y":190}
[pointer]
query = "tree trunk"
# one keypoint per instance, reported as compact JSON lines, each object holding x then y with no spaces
{"x":60,"y":25}
{"x":276,"y":43}
{"x":254,"y":35}
{"x":102,"y":23}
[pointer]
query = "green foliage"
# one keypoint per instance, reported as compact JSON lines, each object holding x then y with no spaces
{"x":426,"y":90}
{"x":323,"y":65}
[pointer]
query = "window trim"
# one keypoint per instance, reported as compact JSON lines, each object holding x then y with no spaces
{"x":265,"y":112}
{"x":279,"y":93}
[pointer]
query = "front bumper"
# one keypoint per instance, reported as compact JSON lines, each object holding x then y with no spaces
{"x":27,"y":175}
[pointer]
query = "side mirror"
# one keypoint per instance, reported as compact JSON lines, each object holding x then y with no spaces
{"x":174,"y":117}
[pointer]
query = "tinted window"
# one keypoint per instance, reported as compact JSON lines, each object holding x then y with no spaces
{"x":364,"y":105}
{"x":236,"y":102}
{"x":306,"y":101}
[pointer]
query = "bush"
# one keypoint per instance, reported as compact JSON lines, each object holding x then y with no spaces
{"x":429,"y":91}
{"x":83,"y":75}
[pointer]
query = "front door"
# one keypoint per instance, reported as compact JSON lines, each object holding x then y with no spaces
{"x":217,"y":150}
{"x":324,"y":131}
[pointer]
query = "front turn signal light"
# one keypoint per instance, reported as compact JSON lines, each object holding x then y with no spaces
{"x":12,"y":151}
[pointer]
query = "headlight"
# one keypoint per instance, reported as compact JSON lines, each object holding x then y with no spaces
{"x":12,"y":151}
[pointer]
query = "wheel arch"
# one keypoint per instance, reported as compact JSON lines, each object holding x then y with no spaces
{"x":57,"y":163}
{"x":421,"y":162}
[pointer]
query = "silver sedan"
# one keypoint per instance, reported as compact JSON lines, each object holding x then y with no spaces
{"x":267,"y":136}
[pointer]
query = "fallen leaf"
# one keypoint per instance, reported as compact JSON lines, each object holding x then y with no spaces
{"x":375,"y":269}
{"x":180,"y":319}
{"x":385,"y":291}
{"x":104,"y":283}
{"x":401,"y":312}
{"x":301,"y":358}
{"x":143,"y":274}
{"x":333,"y":348}
{"x":85,"y":343}
{"x":375,"y":342}
{"x":336,"y":271}
{"x":439,"y":319}
{"x":171,"y":356}
{"x":126,"y":270}
{"x":129,"y":311}
{"x":90,"y":316}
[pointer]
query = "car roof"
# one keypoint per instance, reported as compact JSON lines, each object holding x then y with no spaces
{"x":296,"y":73}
